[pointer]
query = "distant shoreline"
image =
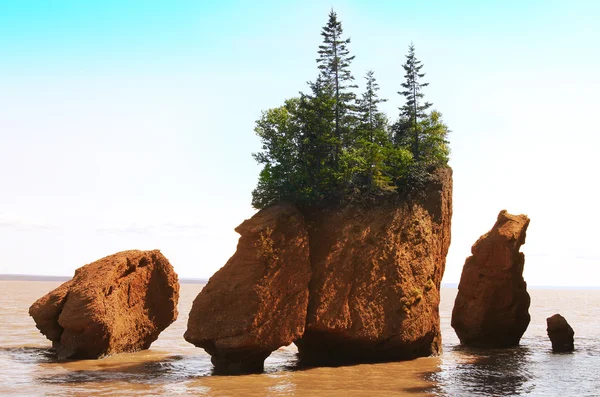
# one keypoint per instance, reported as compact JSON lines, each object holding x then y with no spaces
{"x":31,"y":277}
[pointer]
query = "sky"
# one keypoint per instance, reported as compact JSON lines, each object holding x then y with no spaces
{"x":129,"y":124}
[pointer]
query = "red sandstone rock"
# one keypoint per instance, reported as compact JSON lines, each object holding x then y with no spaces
{"x":491,"y":307}
{"x":560,"y":334}
{"x":120,"y":303}
{"x":374,"y":293}
{"x":257,"y":302}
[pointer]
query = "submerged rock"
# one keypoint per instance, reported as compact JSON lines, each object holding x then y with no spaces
{"x":492,"y":305}
{"x":257,"y":302}
{"x":120,"y":303}
{"x":560,"y":334}
{"x":374,"y":293}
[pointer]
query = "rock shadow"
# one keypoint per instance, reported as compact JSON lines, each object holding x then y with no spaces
{"x":30,"y":354}
{"x":469,"y":371}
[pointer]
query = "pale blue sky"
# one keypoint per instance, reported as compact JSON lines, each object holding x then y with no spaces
{"x":129,"y":124}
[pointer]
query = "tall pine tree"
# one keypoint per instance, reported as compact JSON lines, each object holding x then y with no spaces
{"x":408,"y":129}
{"x":334,"y":63}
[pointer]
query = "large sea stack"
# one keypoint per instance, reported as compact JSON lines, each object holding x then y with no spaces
{"x":120,"y":303}
{"x":492,"y":305}
{"x":377,"y":269}
{"x":257,"y":302}
{"x":374,"y":270}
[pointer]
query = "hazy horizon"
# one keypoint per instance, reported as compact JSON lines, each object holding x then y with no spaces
{"x":202,"y":280}
{"x":130,"y":125}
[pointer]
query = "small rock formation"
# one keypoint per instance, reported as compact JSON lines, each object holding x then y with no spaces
{"x":374,"y":293}
{"x":257,"y":302}
{"x":560,"y":334}
{"x":491,"y":307}
{"x":120,"y":303}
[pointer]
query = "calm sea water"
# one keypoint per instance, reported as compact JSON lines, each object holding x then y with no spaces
{"x":172,"y":367}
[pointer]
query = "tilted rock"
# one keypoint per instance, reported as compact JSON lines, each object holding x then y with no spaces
{"x":120,"y":303}
{"x":560,"y":334}
{"x":257,"y":302}
{"x":374,"y":293}
{"x":491,"y":307}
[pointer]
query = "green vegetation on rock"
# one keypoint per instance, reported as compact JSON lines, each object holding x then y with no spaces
{"x":332,"y":145}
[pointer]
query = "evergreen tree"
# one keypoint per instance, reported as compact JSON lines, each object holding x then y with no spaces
{"x":371,"y":135}
{"x":334,"y":63}
{"x":408,"y":129}
{"x":327,"y":146}
{"x":367,"y":106}
{"x":316,"y":117}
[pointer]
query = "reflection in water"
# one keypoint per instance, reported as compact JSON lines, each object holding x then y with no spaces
{"x":143,"y":373}
{"x":168,"y":369}
{"x":484,"y":372}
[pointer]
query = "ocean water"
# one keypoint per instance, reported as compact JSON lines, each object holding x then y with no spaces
{"x":172,"y":367}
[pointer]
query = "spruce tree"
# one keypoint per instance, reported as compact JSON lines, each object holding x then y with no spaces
{"x":413,"y":111}
{"x":367,"y":106}
{"x":371,"y":135}
{"x":316,"y":117}
{"x":334,"y":63}
{"x":327,"y":147}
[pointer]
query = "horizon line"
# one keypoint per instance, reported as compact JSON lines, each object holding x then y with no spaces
{"x":34,"y":277}
{"x":204,"y":280}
